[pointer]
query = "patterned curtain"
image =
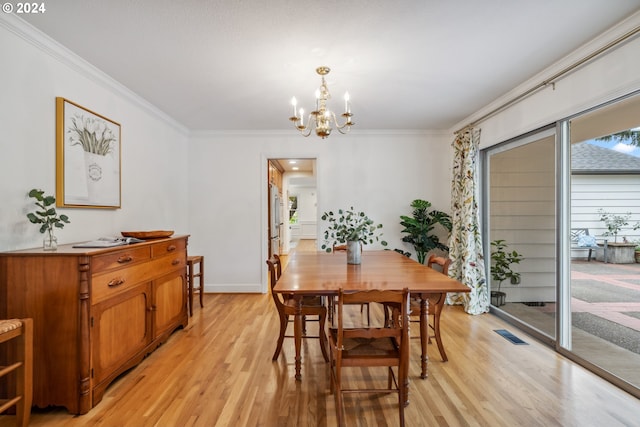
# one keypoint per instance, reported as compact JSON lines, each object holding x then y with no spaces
{"x":465,"y":243}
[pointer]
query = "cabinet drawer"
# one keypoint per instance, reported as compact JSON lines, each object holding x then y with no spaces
{"x":110,"y":283}
{"x":120,"y":259}
{"x":171,"y":246}
{"x":175,"y":261}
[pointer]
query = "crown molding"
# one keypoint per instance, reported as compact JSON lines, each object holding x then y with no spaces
{"x":55,"y":50}
{"x":203,"y":133}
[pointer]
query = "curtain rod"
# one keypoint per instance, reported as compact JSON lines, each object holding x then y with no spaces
{"x":551,"y":79}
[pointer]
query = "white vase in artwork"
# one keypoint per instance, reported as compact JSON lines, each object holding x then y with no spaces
{"x":96,"y":168}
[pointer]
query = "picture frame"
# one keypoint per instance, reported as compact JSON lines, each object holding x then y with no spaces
{"x":88,"y":158}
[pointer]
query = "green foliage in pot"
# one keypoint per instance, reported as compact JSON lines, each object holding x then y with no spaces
{"x":501,"y":261}
{"x":420,"y":227}
{"x":348,"y":225}
{"x":46,"y":214}
{"x":614,"y":223}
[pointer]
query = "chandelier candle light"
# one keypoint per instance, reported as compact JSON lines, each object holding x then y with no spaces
{"x":320,"y":119}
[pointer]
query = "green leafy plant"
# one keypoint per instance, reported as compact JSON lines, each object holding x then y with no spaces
{"x":46,"y":215}
{"x":630,"y":136}
{"x":501,"y":261}
{"x":420,"y":227}
{"x":348,"y":225}
{"x":614,"y":223}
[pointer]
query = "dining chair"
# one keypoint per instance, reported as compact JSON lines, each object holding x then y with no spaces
{"x":434,"y":307}
{"x":20,"y":362}
{"x":332,"y":300}
{"x":192,"y":261}
{"x":286,"y":306}
{"x":434,"y":310}
{"x":384,"y":346}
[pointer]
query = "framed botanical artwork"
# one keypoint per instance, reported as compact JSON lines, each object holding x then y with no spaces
{"x":87,"y":158}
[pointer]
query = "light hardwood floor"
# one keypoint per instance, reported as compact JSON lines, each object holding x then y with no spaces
{"x":218,"y":372}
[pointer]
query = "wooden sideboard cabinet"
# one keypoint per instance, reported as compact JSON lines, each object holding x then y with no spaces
{"x":96,"y":312}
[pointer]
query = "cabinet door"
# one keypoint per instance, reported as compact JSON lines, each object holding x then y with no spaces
{"x":170,"y":303}
{"x":121,"y":329}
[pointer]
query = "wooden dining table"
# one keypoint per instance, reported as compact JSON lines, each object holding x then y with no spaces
{"x":324,"y":274}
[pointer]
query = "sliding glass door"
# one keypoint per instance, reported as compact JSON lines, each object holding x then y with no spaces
{"x":605,"y":229}
{"x":561,"y":221}
{"x":520,"y":228}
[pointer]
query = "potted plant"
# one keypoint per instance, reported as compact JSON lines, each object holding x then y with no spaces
{"x":353,"y":229}
{"x":614,"y":223}
{"x":501,"y":262}
{"x":48,"y":217}
{"x":616,"y":252}
{"x":420,"y":226}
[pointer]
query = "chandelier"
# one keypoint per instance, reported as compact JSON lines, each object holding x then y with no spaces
{"x":321,"y":118}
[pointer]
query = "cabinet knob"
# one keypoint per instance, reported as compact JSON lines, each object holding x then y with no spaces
{"x":175,"y":262}
{"x":171,"y":248}
{"x":124,"y":259}
{"x":115,"y":282}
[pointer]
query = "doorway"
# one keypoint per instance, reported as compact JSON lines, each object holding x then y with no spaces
{"x":294,"y":218}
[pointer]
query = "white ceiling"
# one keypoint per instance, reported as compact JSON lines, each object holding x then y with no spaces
{"x":412,"y":64}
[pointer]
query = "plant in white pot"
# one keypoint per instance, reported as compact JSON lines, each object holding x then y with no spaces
{"x":48,"y":217}
{"x":353,"y":229}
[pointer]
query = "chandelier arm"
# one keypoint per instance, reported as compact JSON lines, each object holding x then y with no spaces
{"x":308,"y":129}
{"x":304,"y":130}
{"x":346,"y":124}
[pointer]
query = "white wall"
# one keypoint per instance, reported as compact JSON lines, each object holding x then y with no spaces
{"x":35,"y":70}
{"x":307,"y":202}
{"x":307,"y":225}
{"x":379,"y":174}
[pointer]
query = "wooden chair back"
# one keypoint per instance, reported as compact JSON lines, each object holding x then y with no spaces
{"x":343,"y":248}
{"x":275,"y":271}
{"x":18,"y":332}
{"x":386,"y":346}
{"x":443,"y":262}
{"x":310,"y":306}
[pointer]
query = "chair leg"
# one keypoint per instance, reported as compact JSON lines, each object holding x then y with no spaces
{"x":331,"y":303}
{"x":323,"y":336}
{"x":284,"y":320}
{"x":424,"y":337}
{"x":338,"y":398}
{"x":190,"y":285}
{"x":436,"y":331}
{"x":24,"y":381}
{"x":201,"y":282}
{"x":403,"y":398}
